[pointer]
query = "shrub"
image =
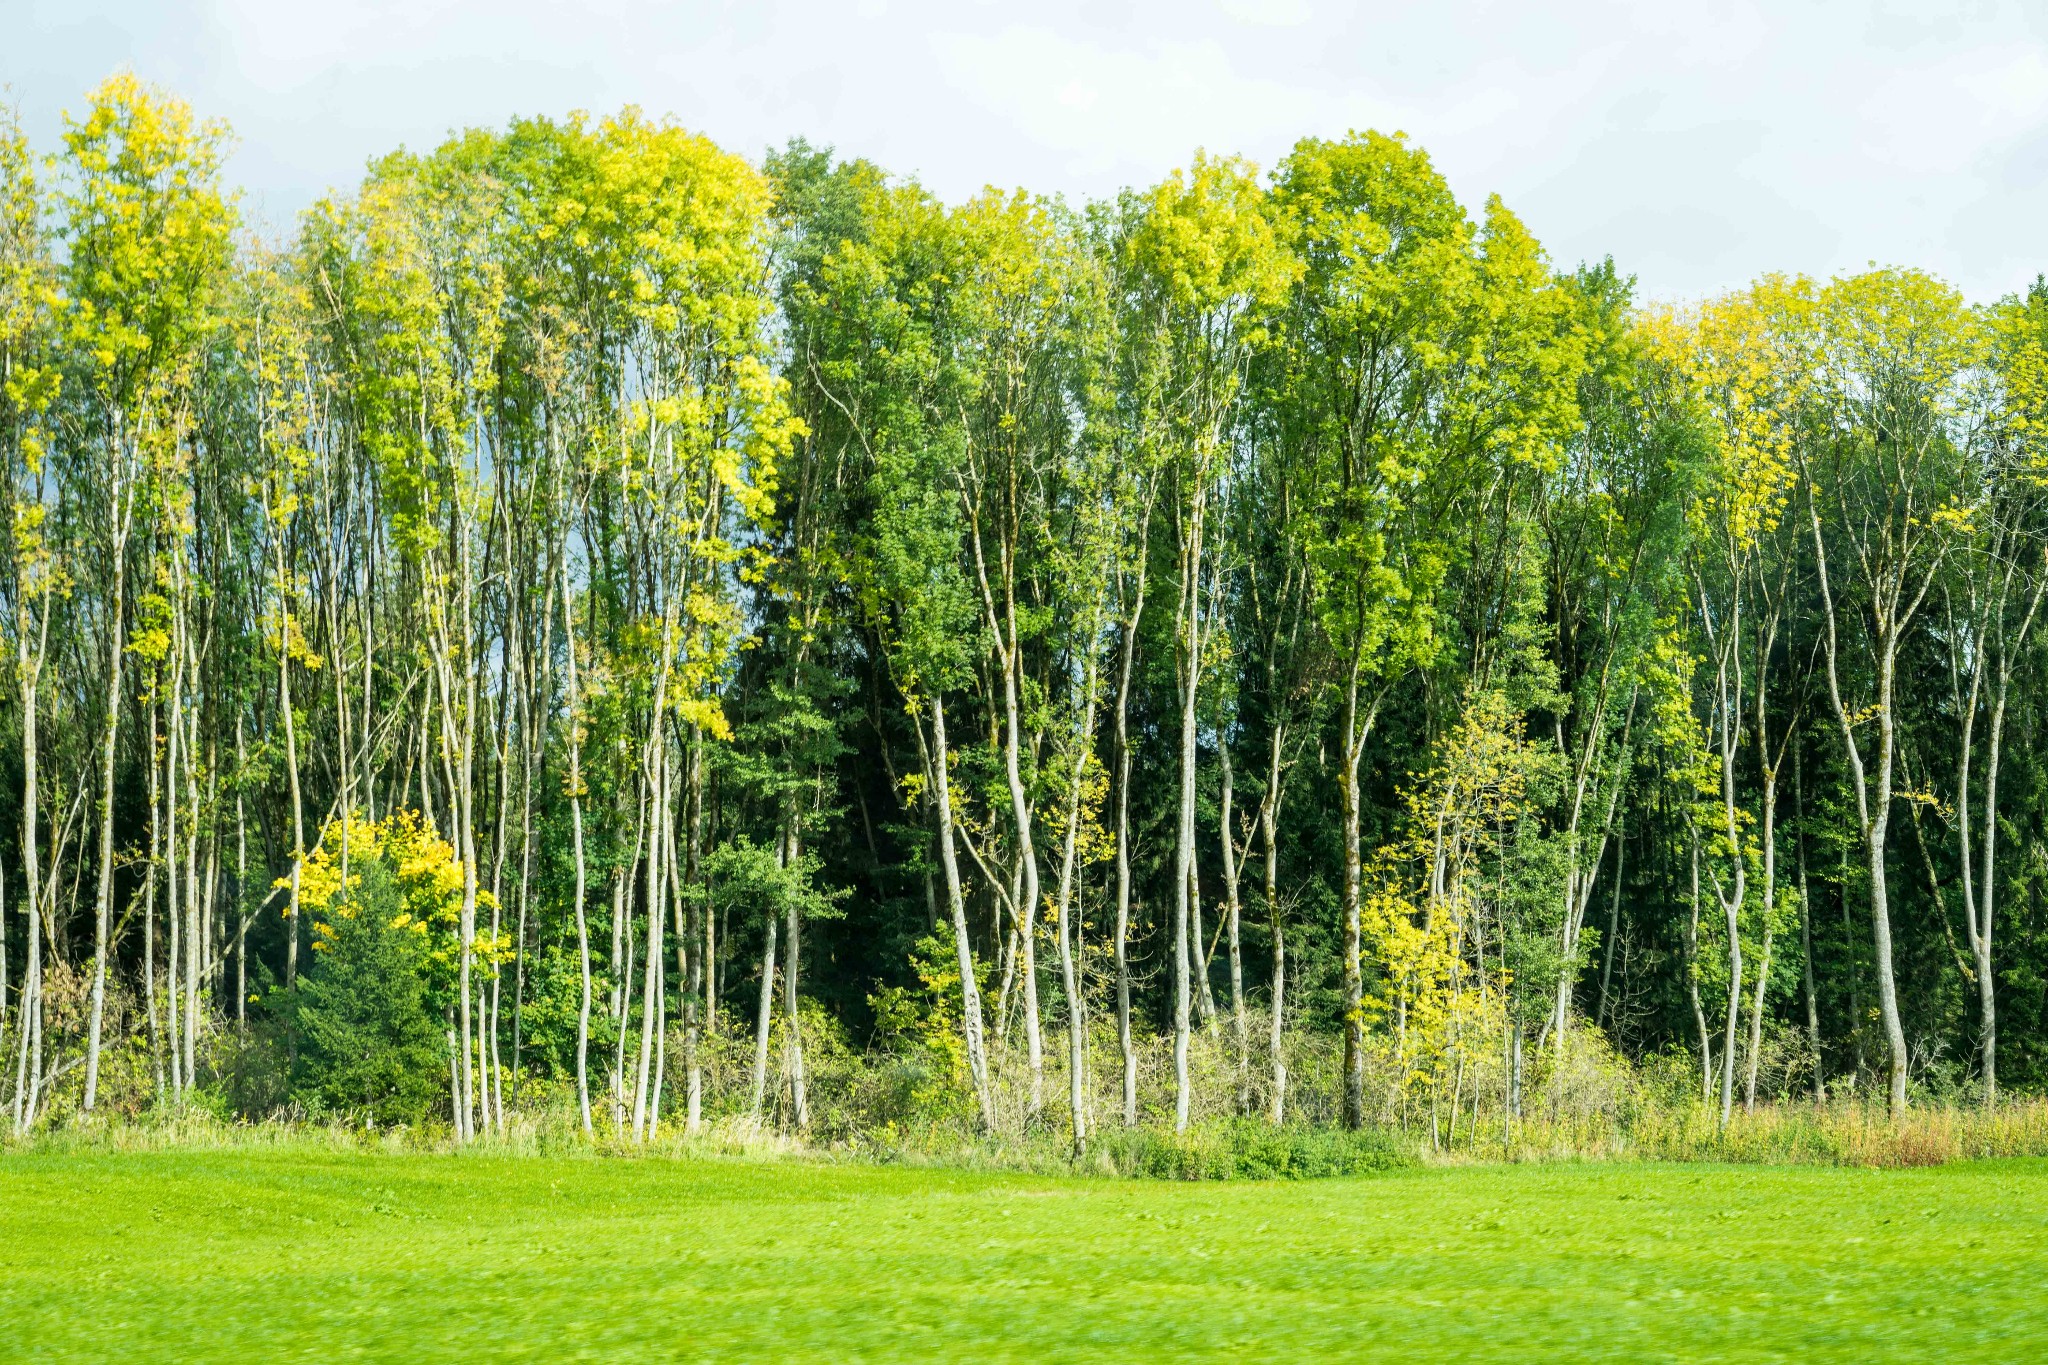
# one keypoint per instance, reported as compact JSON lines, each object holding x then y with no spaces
{"x":1243,"y":1149}
{"x":367,"y":1041}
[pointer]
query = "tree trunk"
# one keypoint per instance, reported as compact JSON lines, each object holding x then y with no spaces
{"x":1198,"y":935}
{"x":1126,"y":1044}
{"x":651,"y":987}
{"x":30,"y":1013}
{"x":1354,"y":985}
{"x":464,"y":785}
{"x":1066,"y":916}
{"x":699,"y":977}
{"x":1769,"y":783}
{"x":1184,"y":874}
{"x":660,"y":838}
{"x":102,"y":923}
{"x":1232,"y":864}
{"x":1692,"y":973}
{"x":1120,"y":945}
{"x":174,"y":936}
{"x":1731,"y":908}
{"x":1887,"y":985}
{"x":763,"y":1018}
{"x":1978,"y":913}
{"x":1806,"y":928}
{"x":1982,"y":914}
{"x":1876,"y":825}
{"x":6,"y":973}
{"x":623,"y":993}
{"x":1269,"y":819}
{"x":970,"y":990}
{"x":1756,"y":1016}
{"x":194,"y":942}
{"x":1613,"y":932}
{"x":1009,"y":662}
{"x":1873,"y":793}
{"x":242,"y":910}
{"x":574,"y":702}
{"x":799,"y":1093}
{"x":291,"y":758}
{"x":28,"y":676}
{"x":157,"y":1033}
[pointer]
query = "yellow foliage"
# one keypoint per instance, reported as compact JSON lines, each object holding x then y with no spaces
{"x":1746,"y":360}
{"x":1425,"y":904}
{"x":425,"y":867}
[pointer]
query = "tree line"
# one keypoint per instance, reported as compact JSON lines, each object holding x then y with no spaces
{"x":583,"y":608}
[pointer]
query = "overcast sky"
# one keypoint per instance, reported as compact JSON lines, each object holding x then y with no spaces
{"x":1699,"y":144}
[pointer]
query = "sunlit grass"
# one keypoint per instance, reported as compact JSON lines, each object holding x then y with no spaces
{"x":307,"y":1254}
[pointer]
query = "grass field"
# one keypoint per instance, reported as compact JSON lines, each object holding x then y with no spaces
{"x":288,"y":1255}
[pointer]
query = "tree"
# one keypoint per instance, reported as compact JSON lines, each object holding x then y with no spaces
{"x":857,"y":593}
{"x":1743,"y":359}
{"x":1206,"y":271}
{"x":368,"y":1043}
{"x":1991,"y":602}
{"x":146,"y":232}
{"x":36,"y":579}
{"x":1430,"y":355}
{"x":1886,"y":468}
{"x":1613,"y":540}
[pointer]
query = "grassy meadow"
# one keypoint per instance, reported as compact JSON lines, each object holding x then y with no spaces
{"x":300,"y":1253}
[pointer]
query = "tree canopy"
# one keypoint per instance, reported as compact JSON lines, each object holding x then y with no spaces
{"x":585,"y":619}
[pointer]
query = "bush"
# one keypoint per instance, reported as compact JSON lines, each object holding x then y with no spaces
{"x":251,"y":1067}
{"x":1246,"y":1149}
{"x":367,"y":1041}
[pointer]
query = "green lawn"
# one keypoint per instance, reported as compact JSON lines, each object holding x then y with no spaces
{"x":264,"y":1255}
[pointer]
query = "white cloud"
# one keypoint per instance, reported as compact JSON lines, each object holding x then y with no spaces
{"x":1267,"y":13}
{"x":1699,"y":145}
{"x":1138,"y":111}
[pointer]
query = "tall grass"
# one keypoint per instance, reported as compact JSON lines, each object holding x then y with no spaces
{"x":905,"y":1106}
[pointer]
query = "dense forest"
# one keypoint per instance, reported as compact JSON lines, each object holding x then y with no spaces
{"x":585,"y":622}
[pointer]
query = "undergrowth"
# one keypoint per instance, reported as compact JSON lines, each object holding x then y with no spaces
{"x":1845,"y":1133}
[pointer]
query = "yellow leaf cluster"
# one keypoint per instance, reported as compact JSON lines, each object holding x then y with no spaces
{"x":425,"y":866}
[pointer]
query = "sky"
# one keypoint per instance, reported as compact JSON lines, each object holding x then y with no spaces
{"x":1700,"y":144}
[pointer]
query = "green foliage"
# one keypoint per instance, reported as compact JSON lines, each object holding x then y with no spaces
{"x":1245,"y":1150}
{"x":922,"y":1027}
{"x":748,"y":876}
{"x":367,"y":1043}
{"x":621,"y":541}
{"x":548,"y":1013}
{"x":147,"y":231}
